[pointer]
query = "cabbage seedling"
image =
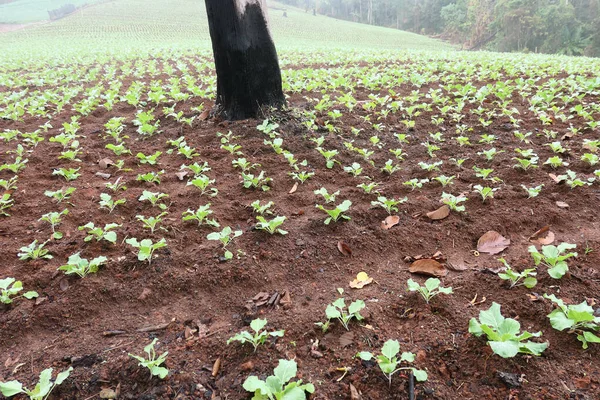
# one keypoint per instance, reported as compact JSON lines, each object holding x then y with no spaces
{"x":225,"y":237}
{"x":336,"y":213}
{"x":302,"y":176}
{"x":41,"y":391}
{"x":34,"y":251}
{"x":453,"y":201}
{"x":70,"y":174}
{"x":107,"y":202}
{"x":81,"y":266}
{"x":390,"y":168}
{"x":153,"y":363}
{"x":259,"y":337}
{"x":276,"y":386}
{"x":6,"y":202}
{"x":98,"y":233}
{"x":337,"y":310}
{"x":54,"y":219}
{"x":388,"y":205}
{"x":252,"y":181}
{"x":154,"y":198}
{"x":203,"y":182}
{"x":146,"y":248}
{"x":578,"y":318}
{"x":271,"y":226}
{"x":10,"y":287}
{"x":151,"y":222}
{"x":150,"y":159}
{"x":389,"y":363}
{"x":533,"y":191}
{"x":431,"y":288}
{"x":368,"y":187}
{"x":525,"y":278}
{"x":354,"y":169}
{"x":503,"y":334}
{"x":150,"y":177}
{"x":329,"y":198}
{"x":553,"y":257}
{"x":200,"y":215}
{"x":485,"y":192}
{"x":60,"y":195}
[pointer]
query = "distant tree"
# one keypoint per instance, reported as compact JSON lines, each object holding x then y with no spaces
{"x":248,"y":74}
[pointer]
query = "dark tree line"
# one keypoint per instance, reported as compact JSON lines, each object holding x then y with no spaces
{"x":548,"y":26}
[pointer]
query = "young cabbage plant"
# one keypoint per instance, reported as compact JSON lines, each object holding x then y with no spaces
{"x":153,"y":363}
{"x":41,"y":391}
{"x":553,"y":257}
{"x":259,"y":336}
{"x":225,"y":237}
{"x":256,"y":181}
{"x":106,"y":201}
{"x":146,"y":248}
{"x":82,"y":266}
{"x":61,"y":195}
{"x":533,"y":191}
{"x":154,"y":198}
{"x":70,"y":174}
{"x":10,"y":288}
{"x":151,"y":222}
{"x":454,"y":201}
{"x":203,"y":183}
{"x":54,"y":219}
{"x":276,"y":386}
{"x":485,"y":192}
{"x":271,"y":226}
{"x":503,"y":334}
{"x":329,"y":198}
{"x":389,"y":205}
{"x":336,"y":213}
{"x":389,"y":363}
{"x":430,"y":289}
{"x":525,"y":278}
{"x":261,"y":209}
{"x":576,"y":318}
{"x":95,"y":232}
{"x":34,"y":251}
{"x":369,"y":188}
{"x":200,"y":216}
{"x":337,"y":310}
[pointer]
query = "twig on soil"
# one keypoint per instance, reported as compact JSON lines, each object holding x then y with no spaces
{"x":118,"y":346}
{"x":156,"y":327}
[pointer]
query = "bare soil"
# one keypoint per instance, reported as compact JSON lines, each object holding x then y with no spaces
{"x":187,"y":286}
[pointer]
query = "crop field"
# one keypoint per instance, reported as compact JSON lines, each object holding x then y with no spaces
{"x":129,"y":217}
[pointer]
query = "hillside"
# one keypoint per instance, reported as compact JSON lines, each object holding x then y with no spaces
{"x":133,"y":25}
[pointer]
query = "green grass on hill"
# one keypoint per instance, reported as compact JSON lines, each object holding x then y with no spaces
{"x":138,"y":25}
{"x":26,"y":11}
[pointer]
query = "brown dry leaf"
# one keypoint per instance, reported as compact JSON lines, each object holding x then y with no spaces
{"x":562,"y":204}
{"x":204,"y":115}
{"x":189,"y":332}
{"x":103,"y":175}
{"x":492,"y":243}
{"x":181,"y":175}
{"x":457,"y":264}
{"x":107,"y":394}
{"x":543,"y":236}
{"x":346,"y":339}
{"x":438,"y":214}
{"x":429,"y":267}
{"x":354,"y":395}
{"x":567,"y":136}
{"x":389,"y":222}
{"x":554,"y":178}
{"x":294,"y":188}
{"x":286,"y":299}
{"x":64,"y":284}
{"x":216,"y":367}
{"x":344,"y":248}
{"x":361,"y":280}
{"x":105,"y":163}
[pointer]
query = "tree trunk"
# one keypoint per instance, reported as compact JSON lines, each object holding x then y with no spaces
{"x":248,"y":74}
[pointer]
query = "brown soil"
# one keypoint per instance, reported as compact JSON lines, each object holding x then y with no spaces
{"x":188,"y":285}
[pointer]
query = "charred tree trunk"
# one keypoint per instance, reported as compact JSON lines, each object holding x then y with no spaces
{"x":248,"y":74}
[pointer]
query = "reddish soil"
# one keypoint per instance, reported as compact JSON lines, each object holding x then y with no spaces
{"x":186,"y":283}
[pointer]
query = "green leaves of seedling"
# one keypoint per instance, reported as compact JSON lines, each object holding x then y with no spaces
{"x":431,"y":288}
{"x":503,"y":334}
{"x":225,"y":237}
{"x":272,"y":225}
{"x":153,"y":362}
{"x":336,"y":213}
{"x":10,"y":287}
{"x":146,"y":248}
{"x":81,"y":266}
{"x":578,"y":318}
{"x":275,"y":387}
{"x":554,"y":257}
{"x":389,"y":363}
{"x":259,"y":337}
{"x":41,"y":390}
{"x":337,"y":310}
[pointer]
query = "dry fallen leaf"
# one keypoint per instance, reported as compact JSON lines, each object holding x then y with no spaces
{"x":216,"y":367}
{"x":562,"y":204}
{"x":457,"y":264}
{"x":294,"y":188}
{"x":362,"y":280}
{"x":344,"y":248}
{"x":346,"y":339}
{"x":389,"y":222}
{"x":429,"y":267}
{"x":543,"y":236}
{"x":105,"y":163}
{"x":438,"y":214}
{"x":181,"y":175}
{"x":492,"y":243}
{"x":354,"y":395}
{"x":204,"y":115}
{"x":554,"y":178}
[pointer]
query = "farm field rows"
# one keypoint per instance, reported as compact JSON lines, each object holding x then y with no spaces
{"x":193,"y":227}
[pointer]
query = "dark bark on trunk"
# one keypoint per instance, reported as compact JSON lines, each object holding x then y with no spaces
{"x":248,"y":74}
